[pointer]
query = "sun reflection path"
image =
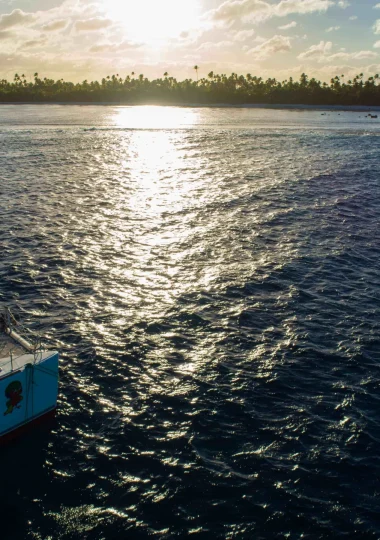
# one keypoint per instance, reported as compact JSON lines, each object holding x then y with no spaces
{"x":153,"y":198}
{"x":154,"y":117}
{"x":160,"y":190}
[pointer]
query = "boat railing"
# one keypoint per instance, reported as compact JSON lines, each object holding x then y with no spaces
{"x":29,"y":341}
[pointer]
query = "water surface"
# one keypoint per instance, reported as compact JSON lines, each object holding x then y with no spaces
{"x":211,"y":277}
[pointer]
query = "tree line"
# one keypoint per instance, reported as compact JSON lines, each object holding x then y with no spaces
{"x":213,"y":89}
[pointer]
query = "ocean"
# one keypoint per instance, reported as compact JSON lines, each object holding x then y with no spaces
{"x":211,"y":279}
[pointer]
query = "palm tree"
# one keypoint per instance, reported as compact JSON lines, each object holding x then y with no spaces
{"x":196,"y":70}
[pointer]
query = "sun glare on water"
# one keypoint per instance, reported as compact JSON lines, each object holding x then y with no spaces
{"x":154,"y":21}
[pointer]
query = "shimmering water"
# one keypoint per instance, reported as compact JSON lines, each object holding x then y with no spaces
{"x":211,"y":277}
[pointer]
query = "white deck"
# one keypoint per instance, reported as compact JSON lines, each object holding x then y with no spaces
{"x":14,"y":357}
{"x":18,"y":363}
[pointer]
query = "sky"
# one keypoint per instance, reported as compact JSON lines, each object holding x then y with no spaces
{"x":90,"y":39}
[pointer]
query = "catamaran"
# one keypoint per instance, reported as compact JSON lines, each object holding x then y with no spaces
{"x":28,"y":379}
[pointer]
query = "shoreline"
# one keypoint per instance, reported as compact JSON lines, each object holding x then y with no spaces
{"x":299,"y":107}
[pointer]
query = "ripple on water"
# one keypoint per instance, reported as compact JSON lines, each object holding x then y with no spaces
{"x":214,"y":289}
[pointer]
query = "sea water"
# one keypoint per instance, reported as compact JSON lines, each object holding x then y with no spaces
{"x":211,"y":278}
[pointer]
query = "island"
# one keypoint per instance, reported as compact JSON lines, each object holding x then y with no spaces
{"x":214,"y":89}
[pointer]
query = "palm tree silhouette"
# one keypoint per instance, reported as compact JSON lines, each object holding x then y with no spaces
{"x":211,"y":89}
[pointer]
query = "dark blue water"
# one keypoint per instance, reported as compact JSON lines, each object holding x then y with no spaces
{"x":211,"y":278}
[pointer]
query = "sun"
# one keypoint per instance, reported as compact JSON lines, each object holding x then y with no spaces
{"x":154,"y":22}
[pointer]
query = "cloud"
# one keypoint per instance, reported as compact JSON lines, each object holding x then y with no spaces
{"x":243,"y":35}
{"x":287,"y":7}
{"x":53,"y":26}
{"x":114,"y":48}
{"x":16,"y":18}
{"x":233,"y":9}
{"x":277,"y":44}
{"x":316,"y":51}
{"x":91,"y":25}
{"x":343,"y":4}
{"x":377,"y":6}
{"x":322,"y":53}
{"x":6,"y":35}
{"x":259,"y":10}
{"x":97,"y":42}
{"x":292,"y":24}
{"x":363,"y":55}
{"x":354,"y":17}
{"x":32,"y":43}
{"x":212,"y":45}
{"x":333,"y":29}
{"x":376,"y":27}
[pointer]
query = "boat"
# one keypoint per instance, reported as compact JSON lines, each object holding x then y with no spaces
{"x":28,"y":379}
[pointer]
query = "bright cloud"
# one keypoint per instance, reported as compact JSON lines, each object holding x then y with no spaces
{"x":316,"y":51}
{"x":275,"y":45}
{"x":243,"y":35}
{"x":259,"y":10}
{"x":362,"y":55}
{"x":53,"y":26}
{"x":16,"y":18}
{"x":303,"y":7}
{"x":115,"y":47}
{"x":33,"y":43}
{"x":292,"y":24}
{"x":239,"y":9}
{"x":5,"y":35}
{"x":219,"y":45}
{"x":89,"y":38}
{"x":91,"y":25}
{"x":322,"y":53}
